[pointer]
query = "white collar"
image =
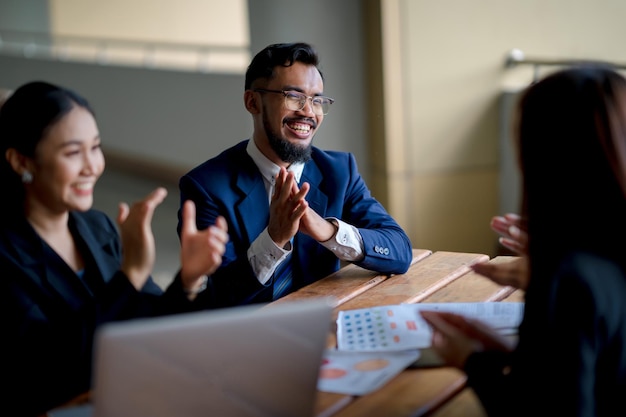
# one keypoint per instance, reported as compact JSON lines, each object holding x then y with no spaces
{"x":268,"y":169}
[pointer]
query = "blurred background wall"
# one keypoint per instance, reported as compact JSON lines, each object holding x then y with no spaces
{"x":423,"y":93}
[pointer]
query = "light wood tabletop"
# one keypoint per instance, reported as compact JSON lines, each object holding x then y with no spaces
{"x":434,"y":277}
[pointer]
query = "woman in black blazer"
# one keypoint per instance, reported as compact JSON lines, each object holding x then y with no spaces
{"x":571,"y":356}
{"x":64,"y":269}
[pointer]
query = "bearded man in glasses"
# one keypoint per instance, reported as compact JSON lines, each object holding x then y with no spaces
{"x":293,"y":211}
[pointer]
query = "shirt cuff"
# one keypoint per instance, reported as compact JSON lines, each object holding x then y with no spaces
{"x":347,"y":244}
{"x":264,"y":256}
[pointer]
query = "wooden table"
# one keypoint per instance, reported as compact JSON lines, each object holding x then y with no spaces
{"x":433,"y":277}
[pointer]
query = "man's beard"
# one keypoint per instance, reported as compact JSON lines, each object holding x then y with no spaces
{"x":286,"y":151}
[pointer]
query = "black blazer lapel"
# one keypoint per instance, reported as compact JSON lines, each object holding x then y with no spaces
{"x":35,"y":258}
{"x":102,"y":242}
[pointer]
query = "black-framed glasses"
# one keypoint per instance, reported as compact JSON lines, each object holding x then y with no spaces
{"x":295,"y":100}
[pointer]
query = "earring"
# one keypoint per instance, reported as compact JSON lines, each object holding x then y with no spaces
{"x":27,"y":177}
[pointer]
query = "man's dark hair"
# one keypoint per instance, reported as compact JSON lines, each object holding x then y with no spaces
{"x":279,"y":54}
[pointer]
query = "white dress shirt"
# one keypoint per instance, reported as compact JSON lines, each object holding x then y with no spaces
{"x":264,"y":255}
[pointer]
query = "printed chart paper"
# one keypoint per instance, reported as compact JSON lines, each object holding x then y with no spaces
{"x":359,"y":373}
{"x":400,"y":327}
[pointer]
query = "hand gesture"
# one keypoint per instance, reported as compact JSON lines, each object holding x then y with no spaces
{"x":287,"y":207}
{"x":513,"y":273}
{"x":316,"y":226}
{"x":456,"y":337}
{"x":512,"y":232}
{"x":514,"y":237}
{"x":135,"y":225}
{"x":201,"y":250}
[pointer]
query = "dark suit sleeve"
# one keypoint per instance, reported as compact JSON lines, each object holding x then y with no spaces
{"x":234,"y":282}
{"x":387,"y":247}
{"x":119,"y":300}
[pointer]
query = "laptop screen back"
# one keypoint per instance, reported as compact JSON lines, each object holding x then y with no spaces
{"x":242,"y":361}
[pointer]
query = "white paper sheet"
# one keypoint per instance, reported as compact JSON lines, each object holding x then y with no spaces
{"x":400,"y":327}
{"x":359,"y":373}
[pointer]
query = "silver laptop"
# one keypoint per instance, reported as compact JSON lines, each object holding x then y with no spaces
{"x":243,"y":361}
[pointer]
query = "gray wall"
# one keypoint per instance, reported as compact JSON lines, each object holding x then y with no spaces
{"x":171,"y":118}
{"x":510,"y":185}
{"x":24,"y":15}
{"x":179,"y":119}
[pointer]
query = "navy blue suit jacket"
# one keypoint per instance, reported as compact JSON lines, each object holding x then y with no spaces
{"x":232,"y":186}
{"x":49,"y":315}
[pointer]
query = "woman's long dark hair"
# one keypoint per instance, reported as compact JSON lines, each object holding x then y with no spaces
{"x":572,"y":150}
{"x":25,"y":119}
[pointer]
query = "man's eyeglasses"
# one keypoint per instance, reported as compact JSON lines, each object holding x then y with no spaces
{"x":295,"y":100}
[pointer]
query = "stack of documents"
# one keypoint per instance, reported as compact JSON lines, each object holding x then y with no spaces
{"x":375,"y":344}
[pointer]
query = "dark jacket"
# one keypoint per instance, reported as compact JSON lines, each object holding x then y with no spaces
{"x":571,"y":354}
{"x":49,"y":314}
{"x":232,"y":186}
